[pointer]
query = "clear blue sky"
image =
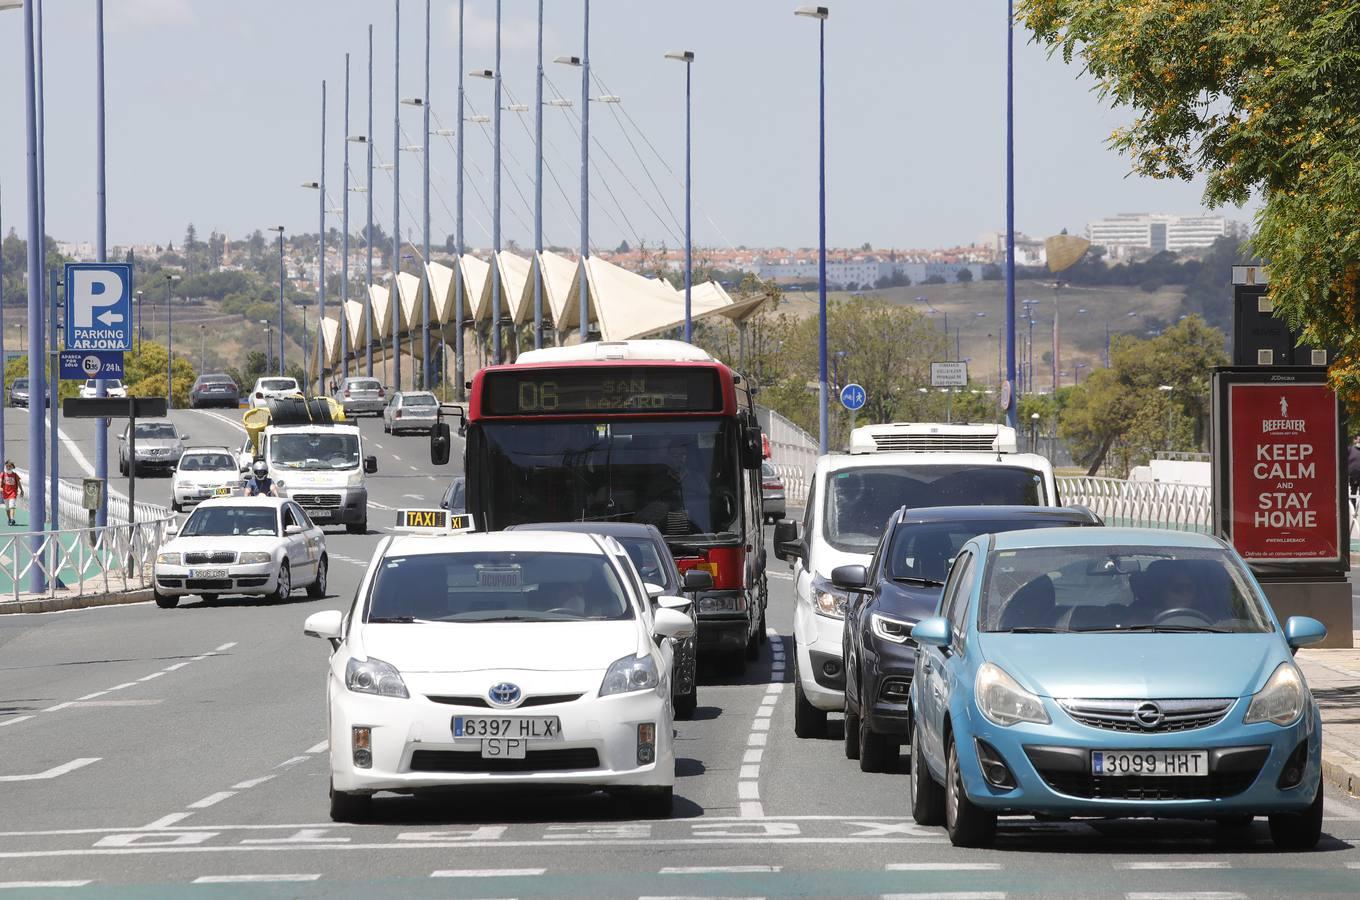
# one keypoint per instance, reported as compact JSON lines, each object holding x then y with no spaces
{"x":214,"y":119}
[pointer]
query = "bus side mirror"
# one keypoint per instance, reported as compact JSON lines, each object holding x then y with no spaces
{"x":752,"y":451}
{"x":440,"y":443}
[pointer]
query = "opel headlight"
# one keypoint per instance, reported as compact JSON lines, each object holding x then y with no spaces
{"x":1281,"y":700}
{"x":169,"y":559}
{"x":373,"y":676}
{"x":1003,"y":701}
{"x":632,"y":673}
{"x":254,"y":557}
{"x":898,"y":631}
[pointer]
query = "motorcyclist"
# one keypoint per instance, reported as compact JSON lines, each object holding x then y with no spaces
{"x":259,"y":484}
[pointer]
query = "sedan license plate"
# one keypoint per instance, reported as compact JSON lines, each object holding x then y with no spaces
{"x":504,"y":748}
{"x":523,"y":727}
{"x":207,"y":573}
{"x":1135,"y":763}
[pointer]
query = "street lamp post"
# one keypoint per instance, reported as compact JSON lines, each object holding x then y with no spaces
{"x":458,"y":363}
{"x":1170,"y":411}
{"x":494,"y":75}
{"x":169,"y":342}
{"x":321,"y":256}
{"x":203,"y":348}
{"x":279,"y":229}
{"x":344,"y":242}
{"x":268,"y":344}
{"x":368,"y":235}
{"x":1010,"y":397}
{"x":538,"y":190}
{"x":101,"y":434}
{"x":687,"y":57}
{"x":584,"y":62}
{"x":820,"y":13}
{"x":396,"y":198}
{"x":138,"y":298}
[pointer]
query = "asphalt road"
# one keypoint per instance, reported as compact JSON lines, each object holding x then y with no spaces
{"x":172,"y":753}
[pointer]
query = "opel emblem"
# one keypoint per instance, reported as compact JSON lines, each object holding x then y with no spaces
{"x":507,"y":694}
{"x":1148,"y":714}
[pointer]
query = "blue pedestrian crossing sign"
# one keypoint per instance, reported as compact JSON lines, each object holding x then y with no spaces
{"x":853,"y":397}
{"x":98,"y":306}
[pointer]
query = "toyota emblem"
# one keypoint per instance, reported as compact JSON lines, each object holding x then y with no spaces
{"x":507,"y":694}
{"x":1148,"y":714}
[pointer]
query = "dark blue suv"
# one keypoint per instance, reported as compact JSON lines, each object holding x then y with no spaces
{"x":900,"y":586}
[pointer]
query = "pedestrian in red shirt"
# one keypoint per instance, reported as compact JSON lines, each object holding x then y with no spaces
{"x":10,"y":489}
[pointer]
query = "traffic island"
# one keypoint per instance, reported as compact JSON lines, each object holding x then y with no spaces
{"x":1334,"y":677}
{"x":66,"y":599}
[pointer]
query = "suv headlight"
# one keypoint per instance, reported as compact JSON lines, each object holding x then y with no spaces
{"x":1281,"y":700}
{"x":898,"y":631}
{"x":373,"y":676}
{"x":254,"y":557}
{"x":1003,"y":701}
{"x":632,"y":673}
{"x":827,"y":600}
{"x":169,"y":559}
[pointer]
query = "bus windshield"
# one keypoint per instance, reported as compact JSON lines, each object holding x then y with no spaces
{"x":681,"y":477}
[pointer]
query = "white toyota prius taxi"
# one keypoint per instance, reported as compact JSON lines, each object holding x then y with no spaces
{"x":499,"y":658}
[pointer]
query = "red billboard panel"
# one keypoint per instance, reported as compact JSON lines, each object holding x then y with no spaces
{"x":1283,"y":471}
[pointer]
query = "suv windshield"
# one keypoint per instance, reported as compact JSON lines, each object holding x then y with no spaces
{"x":681,"y":477}
{"x":923,"y":551}
{"x":205,"y":462}
{"x":1137,"y":589}
{"x":860,"y":500}
{"x":497,"y":587}
{"x":162,"y":431}
{"x":210,"y":521}
{"x":314,"y":450}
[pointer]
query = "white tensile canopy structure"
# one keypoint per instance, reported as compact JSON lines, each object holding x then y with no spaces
{"x":621,"y":303}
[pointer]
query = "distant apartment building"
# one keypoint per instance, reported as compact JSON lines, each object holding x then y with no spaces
{"x":1156,"y":232}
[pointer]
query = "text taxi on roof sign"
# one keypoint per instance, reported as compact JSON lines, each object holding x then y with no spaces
{"x":433,"y":521}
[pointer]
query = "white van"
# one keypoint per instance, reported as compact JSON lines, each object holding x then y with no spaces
{"x":850,"y":499}
{"x":321,"y":467}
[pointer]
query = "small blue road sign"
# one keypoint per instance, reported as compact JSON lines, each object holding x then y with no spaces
{"x":98,"y":306}
{"x":853,"y":397}
{"x":79,"y":365}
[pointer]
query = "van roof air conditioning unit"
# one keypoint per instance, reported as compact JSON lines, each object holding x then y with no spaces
{"x":932,"y":437}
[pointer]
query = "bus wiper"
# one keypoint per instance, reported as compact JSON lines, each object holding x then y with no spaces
{"x":917,"y":579}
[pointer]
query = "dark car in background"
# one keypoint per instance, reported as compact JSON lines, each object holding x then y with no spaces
{"x":902,"y":585}
{"x":652,"y":558}
{"x":455,"y":496}
{"x":18,"y":393}
{"x":771,"y":493}
{"x":214,"y":390}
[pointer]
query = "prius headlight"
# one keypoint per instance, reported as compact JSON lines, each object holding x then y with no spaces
{"x":632,"y":673}
{"x":1003,"y":701}
{"x":254,"y":557}
{"x":1281,"y":700}
{"x":373,"y":676}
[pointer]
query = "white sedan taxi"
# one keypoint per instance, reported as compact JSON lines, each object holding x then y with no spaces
{"x":204,"y":472}
{"x":242,"y":545}
{"x":497,"y":659}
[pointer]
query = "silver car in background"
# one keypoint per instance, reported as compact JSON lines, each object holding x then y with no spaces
{"x":202,"y":473}
{"x":410,"y":411}
{"x":361,"y":396}
{"x":159,"y":446}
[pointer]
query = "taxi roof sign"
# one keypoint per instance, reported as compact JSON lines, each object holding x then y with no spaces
{"x":432,"y":521}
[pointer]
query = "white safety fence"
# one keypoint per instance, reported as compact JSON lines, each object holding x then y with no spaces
{"x":793,"y":453}
{"x":1141,"y":504}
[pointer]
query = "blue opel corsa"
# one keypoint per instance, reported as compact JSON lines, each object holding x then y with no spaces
{"x":1110,"y":672}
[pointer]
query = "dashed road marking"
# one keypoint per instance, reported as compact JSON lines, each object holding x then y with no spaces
{"x":167,"y":821}
{"x":486,"y":873}
{"x":212,"y":800}
{"x":1185,"y":895}
{"x":31,"y":885}
{"x":1168,"y":864}
{"x":942,"y":867}
{"x":251,"y":782}
{"x":15,"y":720}
{"x":55,"y":771}
{"x":949,"y":895}
{"x":318,"y":747}
{"x":748,"y":777}
{"x":716,"y":870}
{"x":243,"y":879}
{"x":292,"y":761}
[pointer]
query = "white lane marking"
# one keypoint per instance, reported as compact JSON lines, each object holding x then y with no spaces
{"x":167,"y":821}
{"x":748,"y":790}
{"x":243,"y":879}
{"x":1185,"y":895}
{"x":92,"y":696}
{"x":14,"y":720}
{"x":764,"y":711}
{"x":486,"y":873}
{"x":753,"y":756}
{"x":750,"y":771}
{"x":100,"y":704}
{"x":692,"y":897}
{"x":225,"y":647}
{"x":177,"y":666}
{"x":251,"y":782}
{"x":397,"y":458}
{"x":752,"y":809}
{"x":942,"y":867}
{"x":151,"y":676}
{"x":412,"y":496}
{"x":949,"y":895}
{"x":57,"y":707}
{"x":221,"y":418}
{"x":318,"y":747}
{"x":291,"y":761}
{"x":760,"y":725}
{"x":714,"y":870}
{"x":29,"y":885}
{"x":212,"y":800}
{"x":128,"y":684}
{"x":376,"y":505}
{"x":1156,"y":864}
{"x":55,"y":771}
{"x":413,"y":468}
{"x":756,"y":739}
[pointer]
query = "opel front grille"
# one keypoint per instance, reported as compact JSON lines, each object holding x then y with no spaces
{"x":1147,"y":716}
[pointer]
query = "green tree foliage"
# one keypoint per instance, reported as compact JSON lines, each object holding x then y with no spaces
{"x":1119,"y":415}
{"x":1260,"y":97}
{"x":144,"y":373}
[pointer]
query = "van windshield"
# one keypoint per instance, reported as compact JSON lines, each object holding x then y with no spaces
{"x":859,"y":501}
{"x":313,"y":450}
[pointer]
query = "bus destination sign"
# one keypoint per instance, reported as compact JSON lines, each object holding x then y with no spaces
{"x":601,"y":389}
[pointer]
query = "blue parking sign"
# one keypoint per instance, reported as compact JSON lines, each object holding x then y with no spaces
{"x":98,"y":306}
{"x":853,"y":397}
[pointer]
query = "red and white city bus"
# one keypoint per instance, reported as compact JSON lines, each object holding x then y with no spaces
{"x":646,"y":431}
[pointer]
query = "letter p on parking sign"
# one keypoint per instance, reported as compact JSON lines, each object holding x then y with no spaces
{"x":98,"y":306}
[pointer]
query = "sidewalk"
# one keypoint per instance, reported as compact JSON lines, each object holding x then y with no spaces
{"x":1334,"y":676}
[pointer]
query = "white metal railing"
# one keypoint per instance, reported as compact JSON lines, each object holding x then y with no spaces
{"x":1141,"y":504}
{"x":86,"y":560}
{"x":793,"y":453}
{"x":71,"y":511}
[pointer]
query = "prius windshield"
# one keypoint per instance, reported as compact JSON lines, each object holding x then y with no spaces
{"x":314,"y":450}
{"x":500,"y":586}
{"x":1119,"y":589}
{"x":860,"y":500}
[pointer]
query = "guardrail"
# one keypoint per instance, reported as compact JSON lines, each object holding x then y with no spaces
{"x":1141,"y":504}
{"x":793,"y":453}
{"x":86,"y":560}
